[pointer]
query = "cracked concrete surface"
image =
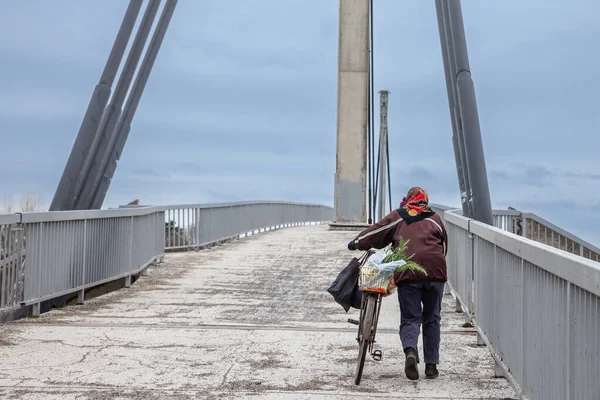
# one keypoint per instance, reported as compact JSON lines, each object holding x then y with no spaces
{"x":248,"y":319}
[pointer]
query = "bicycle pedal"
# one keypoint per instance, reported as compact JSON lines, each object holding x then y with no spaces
{"x":353,"y":321}
{"x":377,"y":355}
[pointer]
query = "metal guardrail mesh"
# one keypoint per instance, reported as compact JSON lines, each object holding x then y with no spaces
{"x":460,"y":264}
{"x":536,"y":228}
{"x":193,"y":225}
{"x":543,"y":231}
{"x":66,"y":256}
{"x":537,"y":308}
{"x":12,"y":243}
{"x":51,"y":254}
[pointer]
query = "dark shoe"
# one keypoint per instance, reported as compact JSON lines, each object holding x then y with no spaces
{"x":410,"y":367}
{"x":431,"y":371}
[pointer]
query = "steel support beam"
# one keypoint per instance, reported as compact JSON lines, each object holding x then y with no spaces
{"x":64,"y":198}
{"x":450,"y":72}
{"x":94,"y":168}
{"x":371,"y":105}
{"x":458,"y":76}
{"x":382,"y":195}
{"x":123,"y":126}
{"x":352,"y":114}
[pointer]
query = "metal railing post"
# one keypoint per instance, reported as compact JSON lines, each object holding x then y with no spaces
{"x":197,"y":239}
{"x":36,"y":308}
{"x":4,"y":240}
{"x":128,"y":278}
{"x":81,"y":294}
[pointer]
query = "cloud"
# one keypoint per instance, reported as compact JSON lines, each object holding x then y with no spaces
{"x":530,"y":175}
{"x":582,"y":175}
{"x":567,"y":199}
{"x":241,"y":103}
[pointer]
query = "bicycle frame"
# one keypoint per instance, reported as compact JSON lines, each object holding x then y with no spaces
{"x":375,"y":320}
{"x":367,"y":326}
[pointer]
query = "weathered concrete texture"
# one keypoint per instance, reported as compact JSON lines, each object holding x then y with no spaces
{"x":349,"y":206}
{"x":249,"y":319}
{"x":353,"y":80}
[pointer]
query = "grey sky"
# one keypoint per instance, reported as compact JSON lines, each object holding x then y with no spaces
{"x":241,"y":102}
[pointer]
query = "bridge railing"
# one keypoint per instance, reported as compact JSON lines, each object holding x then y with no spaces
{"x":47,"y":255}
{"x":536,"y":228}
{"x":537,"y":308}
{"x":11,"y":260}
{"x":540,"y":230}
{"x":71,"y":251}
{"x":199,"y":225}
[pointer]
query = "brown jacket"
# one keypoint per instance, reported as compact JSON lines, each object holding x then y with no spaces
{"x":428,"y":241}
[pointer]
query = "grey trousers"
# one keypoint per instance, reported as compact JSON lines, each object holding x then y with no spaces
{"x":421,"y":303}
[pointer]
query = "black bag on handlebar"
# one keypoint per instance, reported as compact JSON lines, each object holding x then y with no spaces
{"x":345,"y":289}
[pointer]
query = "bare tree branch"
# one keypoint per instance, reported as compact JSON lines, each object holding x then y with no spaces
{"x":31,"y":203}
{"x":8,"y":205}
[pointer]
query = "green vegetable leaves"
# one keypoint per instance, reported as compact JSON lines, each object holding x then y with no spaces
{"x":397,"y":254}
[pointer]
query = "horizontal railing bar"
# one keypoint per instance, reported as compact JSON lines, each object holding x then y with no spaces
{"x":128,"y":211}
{"x":458,"y":220}
{"x":243,"y":203}
{"x":507,"y":213}
{"x":9,"y":219}
{"x":458,"y":210}
{"x":59,"y":216}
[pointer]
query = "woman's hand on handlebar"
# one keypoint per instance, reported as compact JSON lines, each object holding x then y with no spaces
{"x":351,"y":245}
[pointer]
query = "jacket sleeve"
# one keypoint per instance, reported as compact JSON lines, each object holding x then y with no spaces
{"x":444,"y":235}
{"x":380,"y":234}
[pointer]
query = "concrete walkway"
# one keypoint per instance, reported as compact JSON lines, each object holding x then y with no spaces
{"x":249,"y":319}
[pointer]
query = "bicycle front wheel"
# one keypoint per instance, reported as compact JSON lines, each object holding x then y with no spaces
{"x":365,"y":336}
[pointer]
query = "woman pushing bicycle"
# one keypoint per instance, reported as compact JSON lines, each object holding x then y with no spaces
{"x":420,"y":296}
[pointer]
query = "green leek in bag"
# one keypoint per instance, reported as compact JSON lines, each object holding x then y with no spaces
{"x":397,"y":254}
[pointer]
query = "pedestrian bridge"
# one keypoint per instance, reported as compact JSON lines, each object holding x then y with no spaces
{"x":251,"y":318}
{"x":238,"y":308}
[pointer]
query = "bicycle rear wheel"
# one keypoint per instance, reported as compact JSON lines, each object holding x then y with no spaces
{"x":365,"y":336}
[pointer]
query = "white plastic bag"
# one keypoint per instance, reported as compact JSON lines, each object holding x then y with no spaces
{"x":376,"y":276}
{"x":376,"y":261}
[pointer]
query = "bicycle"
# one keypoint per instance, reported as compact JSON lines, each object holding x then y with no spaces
{"x":367,"y":323}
